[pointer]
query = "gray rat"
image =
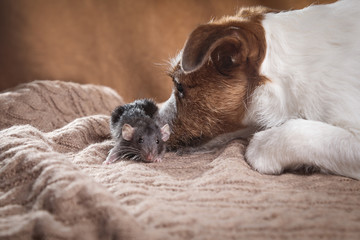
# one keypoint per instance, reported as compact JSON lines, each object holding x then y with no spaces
{"x":137,"y":136}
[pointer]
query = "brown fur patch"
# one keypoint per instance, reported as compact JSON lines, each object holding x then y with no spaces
{"x":221,"y":61}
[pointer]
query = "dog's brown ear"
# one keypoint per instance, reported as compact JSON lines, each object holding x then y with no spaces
{"x":224,"y":45}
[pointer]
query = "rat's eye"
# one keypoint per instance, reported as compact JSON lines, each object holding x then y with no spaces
{"x":157,"y":141}
{"x":141,"y":140}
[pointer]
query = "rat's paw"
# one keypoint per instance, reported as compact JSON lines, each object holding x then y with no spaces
{"x":158,"y":160}
{"x":261,"y":153}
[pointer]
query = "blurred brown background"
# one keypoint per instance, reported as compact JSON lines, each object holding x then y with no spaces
{"x":123,"y":44}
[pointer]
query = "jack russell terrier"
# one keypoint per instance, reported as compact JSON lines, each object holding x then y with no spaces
{"x":289,"y":79}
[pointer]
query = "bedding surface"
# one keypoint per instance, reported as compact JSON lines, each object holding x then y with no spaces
{"x":54,"y":137}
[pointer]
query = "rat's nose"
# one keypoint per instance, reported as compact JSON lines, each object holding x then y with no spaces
{"x":149,"y":157}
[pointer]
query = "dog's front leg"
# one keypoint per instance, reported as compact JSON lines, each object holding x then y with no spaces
{"x":301,"y":142}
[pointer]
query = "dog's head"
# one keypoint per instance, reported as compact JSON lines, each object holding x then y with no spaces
{"x":213,"y":76}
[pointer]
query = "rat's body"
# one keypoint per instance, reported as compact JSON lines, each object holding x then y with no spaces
{"x":136,"y":134}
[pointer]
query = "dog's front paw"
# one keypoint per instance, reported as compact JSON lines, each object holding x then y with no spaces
{"x":261,"y":153}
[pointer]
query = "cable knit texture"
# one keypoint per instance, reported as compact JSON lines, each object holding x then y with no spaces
{"x":54,"y":137}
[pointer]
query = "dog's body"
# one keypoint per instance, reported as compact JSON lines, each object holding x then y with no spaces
{"x":293,"y":75}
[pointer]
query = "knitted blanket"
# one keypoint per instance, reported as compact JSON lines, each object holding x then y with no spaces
{"x":54,"y":137}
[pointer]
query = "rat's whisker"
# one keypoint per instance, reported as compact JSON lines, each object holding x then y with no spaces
{"x":128,"y":148}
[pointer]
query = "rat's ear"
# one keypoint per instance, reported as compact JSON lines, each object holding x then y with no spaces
{"x":165,"y":132}
{"x":224,"y":45}
{"x":127,"y":132}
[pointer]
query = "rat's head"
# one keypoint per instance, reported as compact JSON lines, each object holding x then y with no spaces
{"x":144,"y":142}
{"x":213,"y":76}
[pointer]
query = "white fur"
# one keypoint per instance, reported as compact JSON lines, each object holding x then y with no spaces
{"x":167,"y":111}
{"x":310,"y":109}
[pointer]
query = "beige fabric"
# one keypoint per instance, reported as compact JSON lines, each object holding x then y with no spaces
{"x":55,"y":136}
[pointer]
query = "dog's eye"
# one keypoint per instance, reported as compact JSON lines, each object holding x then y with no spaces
{"x":141,"y":140}
{"x":179,"y":88}
{"x":157,"y":141}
